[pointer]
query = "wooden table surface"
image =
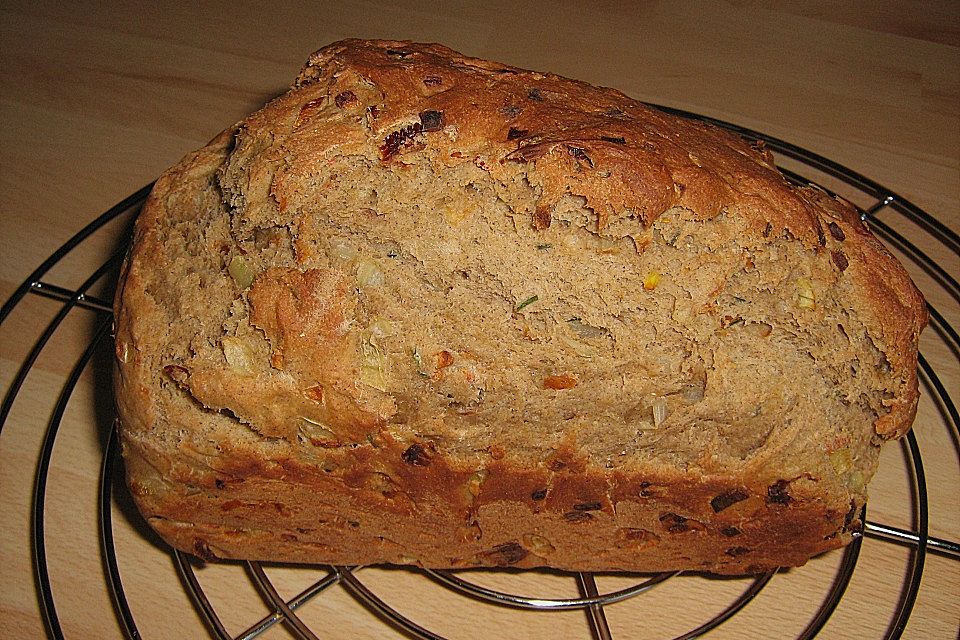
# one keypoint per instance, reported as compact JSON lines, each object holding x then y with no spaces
{"x":97,"y":100}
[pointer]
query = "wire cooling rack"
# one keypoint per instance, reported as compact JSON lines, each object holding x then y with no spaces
{"x":800,"y":166}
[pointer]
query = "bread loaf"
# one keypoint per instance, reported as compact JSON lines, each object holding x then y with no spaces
{"x":429,"y":309}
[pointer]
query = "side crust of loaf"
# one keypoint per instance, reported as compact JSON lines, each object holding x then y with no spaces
{"x":429,"y":309}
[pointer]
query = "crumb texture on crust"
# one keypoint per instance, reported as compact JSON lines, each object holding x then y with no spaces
{"x":425,"y":308}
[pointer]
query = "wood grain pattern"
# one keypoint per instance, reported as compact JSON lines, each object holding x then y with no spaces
{"x":98,"y":100}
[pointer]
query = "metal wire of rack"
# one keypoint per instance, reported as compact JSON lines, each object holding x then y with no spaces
{"x":591,"y":601}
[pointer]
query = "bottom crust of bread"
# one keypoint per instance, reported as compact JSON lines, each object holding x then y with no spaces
{"x":427,"y":511}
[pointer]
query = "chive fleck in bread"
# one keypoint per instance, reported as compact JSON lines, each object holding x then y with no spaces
{"x":429,"y":309}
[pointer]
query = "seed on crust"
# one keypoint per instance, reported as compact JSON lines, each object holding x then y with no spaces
{"x":416,"y":455}
{"x":727,"y":499}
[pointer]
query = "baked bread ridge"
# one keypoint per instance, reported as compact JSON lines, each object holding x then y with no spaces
{"x":430,"y":309}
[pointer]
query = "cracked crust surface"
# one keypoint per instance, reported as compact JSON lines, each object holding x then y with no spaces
{"x":430,"y":309}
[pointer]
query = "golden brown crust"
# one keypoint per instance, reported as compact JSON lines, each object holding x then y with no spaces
{"x":522,"y":517}
{"x":655,"y":161}
{"x":258,"y":417}
{"x":899,"y":310}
